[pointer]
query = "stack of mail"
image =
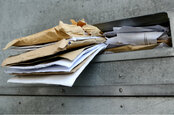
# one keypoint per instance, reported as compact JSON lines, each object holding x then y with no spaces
{"x":127,"y":38}
{"x":54,"y":56}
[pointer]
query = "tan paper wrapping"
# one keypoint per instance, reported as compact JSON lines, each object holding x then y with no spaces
{"x":79,"y":23}
{"x":91,"y":30}
{"x":51,"y":73}
{"x":69,"y":30}
{"x":62,"y":31}
{"x":46,"y":36}
{"x":50,"y":50}
{"x":69,"y":55}
{"x":41,"y":52}
{"x":131,"y":48}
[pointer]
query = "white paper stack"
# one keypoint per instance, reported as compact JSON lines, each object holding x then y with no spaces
{"x":54,"y":56}
{"x":66,"y":79}
{"x":63,"y":66}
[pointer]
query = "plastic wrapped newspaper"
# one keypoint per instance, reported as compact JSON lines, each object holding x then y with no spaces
{"x":127,"y":38}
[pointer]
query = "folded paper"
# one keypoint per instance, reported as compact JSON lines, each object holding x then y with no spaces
{"x":66,"y":79}
{"x":50,"y":50}
{"x":58,"y":64}
{"x":126,"y":48}
{"x":91,"y":30}
{"x":144,"y":38}
{"x":57,"y":33}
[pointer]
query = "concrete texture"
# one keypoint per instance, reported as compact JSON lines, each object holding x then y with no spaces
{"x":86,"y":105}
{"x":19,"y":18}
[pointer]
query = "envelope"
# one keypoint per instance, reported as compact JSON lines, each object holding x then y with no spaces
{"x":62,"y":31}
{"x":69,"y":55}
{"x":51,"y":50}
{"x":59,"y":65}
{"x":66,"y":79}
{"x":62,"y":66}
{"x":51,"y":73}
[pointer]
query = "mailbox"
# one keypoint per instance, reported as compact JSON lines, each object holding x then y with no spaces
{"x":145,"y":72}
{"x":108,"y":78}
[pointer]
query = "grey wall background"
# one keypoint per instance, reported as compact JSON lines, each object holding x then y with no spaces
{"x":20,"y":18}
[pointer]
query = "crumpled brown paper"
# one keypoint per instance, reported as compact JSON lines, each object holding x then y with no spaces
{"x":50,"y":50}
{"x":131,"y":48}
{"x":45,"y":36}
{"x":91,"y":30}
{"x":67,"y":55}
{"x":79,"y":23}
{"x":51,"y":73}
{"x":126,"y":48}
{"x":62,"y":31}
{"x":69,"y":31}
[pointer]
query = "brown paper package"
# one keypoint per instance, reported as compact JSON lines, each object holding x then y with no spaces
{"x":62,"y":31}
{"x":131,"y":48}
{"x":50,"y":50}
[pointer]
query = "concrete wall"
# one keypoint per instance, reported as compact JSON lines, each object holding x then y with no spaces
{"x":24,"y":17}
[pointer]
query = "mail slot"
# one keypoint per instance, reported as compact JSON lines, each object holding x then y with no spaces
{"x":137,"y":68}
{"x":164,"y":19}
